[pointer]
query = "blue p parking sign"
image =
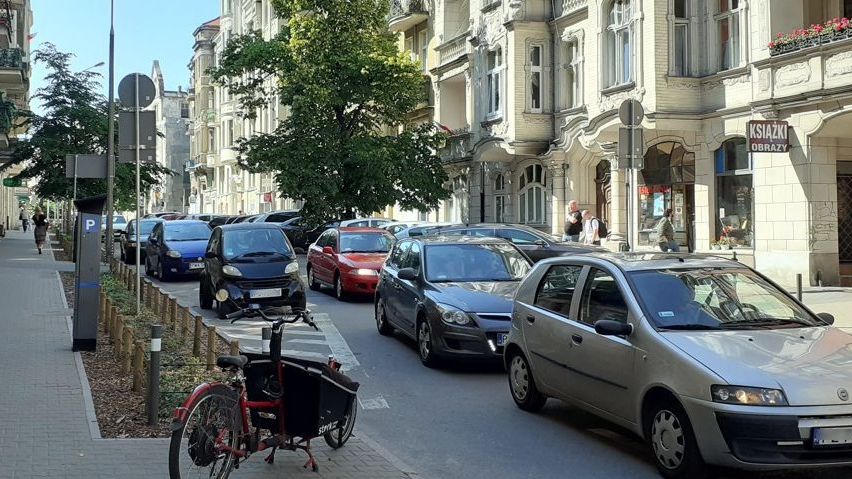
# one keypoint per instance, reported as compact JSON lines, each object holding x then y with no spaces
{"x":91,"y":225}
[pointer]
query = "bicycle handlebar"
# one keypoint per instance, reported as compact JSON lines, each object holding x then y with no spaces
{"x":305,"y":316}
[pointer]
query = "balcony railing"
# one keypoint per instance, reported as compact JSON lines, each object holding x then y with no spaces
{"x":570,"y":6}
{"x":403,"y":8}
{"x":458,"y":145}
{"x":11,"y":58}
{"x":779,"y":48}
{"x":453,"y":49}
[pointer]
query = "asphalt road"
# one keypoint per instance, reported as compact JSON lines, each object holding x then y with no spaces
{"x":460,"y":420}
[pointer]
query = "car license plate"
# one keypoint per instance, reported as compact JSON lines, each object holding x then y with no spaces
{"x":501,"y":338}
{"x":196,"y":265}
{"x":265,"y":293}
{"x":832,"y":436}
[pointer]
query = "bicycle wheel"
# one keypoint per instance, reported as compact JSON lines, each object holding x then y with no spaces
{"x":212,"y":421}
{"x":336,"y":438}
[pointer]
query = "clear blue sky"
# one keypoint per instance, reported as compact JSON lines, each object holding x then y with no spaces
{"x":145,"y":30}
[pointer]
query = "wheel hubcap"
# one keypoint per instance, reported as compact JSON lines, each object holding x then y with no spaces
{"x":519,"y":376}
{"x":425,"y":341}
{"x":338,"y":287}
{"x":667,"y":439}
{"x":380,"y":315}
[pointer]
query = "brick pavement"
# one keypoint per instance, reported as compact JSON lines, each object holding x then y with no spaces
{"x":47,"y":423}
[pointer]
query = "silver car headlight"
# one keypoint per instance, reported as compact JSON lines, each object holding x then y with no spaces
{"x":231,"y":270}
{"x":451,"y":315}
{"x":364,"y":272}
{"x":747,"y":396}
{"x":292,"y":268}
{"x":173,"y":253}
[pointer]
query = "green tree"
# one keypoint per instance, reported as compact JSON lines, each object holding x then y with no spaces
{"x":346,"y":145}
{"x":75,"y":121}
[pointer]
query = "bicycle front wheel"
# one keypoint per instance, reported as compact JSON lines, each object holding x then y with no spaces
{"x":203,"y":445}
{"x":336,"y":438}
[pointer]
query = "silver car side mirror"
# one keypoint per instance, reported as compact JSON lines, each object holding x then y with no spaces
{"x":827,"y":317}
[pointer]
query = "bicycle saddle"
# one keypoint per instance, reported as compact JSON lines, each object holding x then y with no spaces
{"x":232,"y":362}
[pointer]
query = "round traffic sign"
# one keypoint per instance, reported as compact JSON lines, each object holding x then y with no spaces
{"x":136,"y":91}
{"x":631,"y":113}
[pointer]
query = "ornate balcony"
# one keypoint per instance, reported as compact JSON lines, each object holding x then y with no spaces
{"x":454,"y":49}
{"x":405,"y":14}
{"x":808,"y":42}
{"x":11,"y":67}
{"x":458,"y":146}
{"x":570,"y":6}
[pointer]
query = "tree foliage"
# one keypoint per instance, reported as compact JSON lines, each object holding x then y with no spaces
{"x":345,"y":144}
{"x":75,"y":121}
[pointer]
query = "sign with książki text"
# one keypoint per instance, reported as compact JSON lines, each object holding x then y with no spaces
{"x":768,"y":136}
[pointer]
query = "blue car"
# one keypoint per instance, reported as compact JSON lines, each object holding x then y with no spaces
{"x":176,"y":248}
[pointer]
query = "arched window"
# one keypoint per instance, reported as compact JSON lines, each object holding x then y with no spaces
{"x":531,"y":195}
{"x":458,"y":206}
{"x":495,"y":67}
{"x":619,"y":43}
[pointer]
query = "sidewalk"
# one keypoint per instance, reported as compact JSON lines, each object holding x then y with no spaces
{"x":47,"y":422}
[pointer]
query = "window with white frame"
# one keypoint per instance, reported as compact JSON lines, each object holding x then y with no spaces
{"x":535,"y":78}
{"x":500,"y":203}
{"x":532,"y":195}
{"x":410,"y":49}
{"x":619,"y":39}
{"x":680,"y":37}
{"x":495,"y":65}
{"x":211,"y":140}
{"x":423,"y":45}
{"x":571,"y":75}
{"x":728,"y":29}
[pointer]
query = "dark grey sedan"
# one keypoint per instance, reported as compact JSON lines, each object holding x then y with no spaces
{"x":452,"y":294}
{"x":534,"y":243}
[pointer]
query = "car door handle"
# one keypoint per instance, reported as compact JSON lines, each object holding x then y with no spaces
{"x":530,"y":319}
{"x":576,"y":338}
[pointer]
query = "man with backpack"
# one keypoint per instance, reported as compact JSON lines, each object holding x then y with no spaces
{"x":591,"y":229}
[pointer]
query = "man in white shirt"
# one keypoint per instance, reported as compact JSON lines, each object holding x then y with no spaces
{"x":590,"y":229}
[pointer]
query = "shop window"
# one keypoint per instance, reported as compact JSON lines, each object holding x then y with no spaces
{"x":734,"y":216}
{"x":664,"y":183}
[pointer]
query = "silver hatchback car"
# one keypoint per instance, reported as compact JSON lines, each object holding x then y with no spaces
{"x":706,"y":359}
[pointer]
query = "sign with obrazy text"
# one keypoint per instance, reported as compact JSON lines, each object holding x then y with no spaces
{"x":768,"y":136}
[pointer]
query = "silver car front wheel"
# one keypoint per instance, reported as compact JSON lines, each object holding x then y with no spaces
{"x":673,"y":442}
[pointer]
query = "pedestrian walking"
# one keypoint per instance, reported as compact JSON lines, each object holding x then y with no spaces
{"x":665,"y":233}
{"x":573,"y":222}
{"x":24,"y":216}
{"x":590,"y":228}
{"x":39,"y":228}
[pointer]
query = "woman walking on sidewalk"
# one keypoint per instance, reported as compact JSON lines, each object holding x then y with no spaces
{"x":40,"y":228}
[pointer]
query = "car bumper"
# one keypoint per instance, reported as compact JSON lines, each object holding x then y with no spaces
{"x":359,"y":283}
{"x":288,"y":292}
{"x":190,"y":265}
{"x":484,"y":342}
{"x":750,"y":437}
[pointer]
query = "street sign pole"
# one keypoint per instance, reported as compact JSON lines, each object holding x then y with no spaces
{"x":630,"y":141}
{"x":138,"y":209}
{"x":76,"y":158}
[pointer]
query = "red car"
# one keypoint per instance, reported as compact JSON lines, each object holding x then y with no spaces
{"x":348,"y":259}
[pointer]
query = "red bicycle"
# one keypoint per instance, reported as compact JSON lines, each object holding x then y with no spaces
{"x":294,"y":400}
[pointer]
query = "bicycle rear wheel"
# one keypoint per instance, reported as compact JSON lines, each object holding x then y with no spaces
{"x":336,"y":438}
{"x":212,"y":421}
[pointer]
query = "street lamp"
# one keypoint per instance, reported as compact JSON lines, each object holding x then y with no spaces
{"x":99,"y":64}
{"x":108,"y":237}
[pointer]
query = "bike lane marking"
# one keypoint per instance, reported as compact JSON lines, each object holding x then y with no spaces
{"x":339,"y":347}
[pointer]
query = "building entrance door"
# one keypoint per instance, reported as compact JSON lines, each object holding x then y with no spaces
{"x":844,"y":224}
{"x":603,"y":191}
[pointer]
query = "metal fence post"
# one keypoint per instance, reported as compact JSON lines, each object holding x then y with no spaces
{"x":154,"y":374}
{"x":799,"y":286}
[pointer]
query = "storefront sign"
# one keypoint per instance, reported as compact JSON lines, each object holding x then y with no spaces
{"x":266,"y":198}
{"x":768,"y":136}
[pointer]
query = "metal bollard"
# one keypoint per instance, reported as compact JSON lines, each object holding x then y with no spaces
{"x":154,"y":374}
{"x":266,"y":335}
{"x":799,"y":286}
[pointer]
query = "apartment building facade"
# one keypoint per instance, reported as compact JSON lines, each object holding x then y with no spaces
{"x":530,"y":91}
{"x":16,"y":18}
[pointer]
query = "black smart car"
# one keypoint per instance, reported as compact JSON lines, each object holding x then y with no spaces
{"x":253,"y":263}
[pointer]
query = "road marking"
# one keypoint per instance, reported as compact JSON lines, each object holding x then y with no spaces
{"x":377,"y":402}
{"x":336,"y":343}
{"x":307,"y":341}
{"x":290,"y":352}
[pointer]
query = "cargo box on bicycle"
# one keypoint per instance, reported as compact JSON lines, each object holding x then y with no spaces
{"x":316,"y":397}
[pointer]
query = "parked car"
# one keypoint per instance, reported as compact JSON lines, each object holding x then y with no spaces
{"x":397,"y":226}
{"x":703,"y":357}
{"x":366,"y":222}
{"x":302,"y":235}
{"x":119,"y":224}
{"x":279,"y":216}
{"x":166,"y":215}
{"x":132,"y":239}
{"x":253,"y":263}
{"x":203,"y":217}
{"x":176,"y":248}
{"x":536,"y":244}
{"x":421,"y":229}
{"x":219,"y":220}
{"x":348,"y":259}
{"x":452,"y":294}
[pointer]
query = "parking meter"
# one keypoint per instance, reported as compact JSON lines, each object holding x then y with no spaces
{"x":87,"y":270}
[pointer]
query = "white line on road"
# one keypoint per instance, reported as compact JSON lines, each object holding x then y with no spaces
{"x":307,"y":341}
{"x":336,"y":343}
{"x":377,"y":402}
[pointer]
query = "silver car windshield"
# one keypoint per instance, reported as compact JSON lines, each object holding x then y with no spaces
{"x":474,"y":262}
{"x":710,"y":298}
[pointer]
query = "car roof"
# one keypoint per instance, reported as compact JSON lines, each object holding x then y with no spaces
{"x":461,"y":239}
{"x":359,"y":229}
{"x":183,"y":222}
{"x":249,"y":226}
{"x":648,"y":261}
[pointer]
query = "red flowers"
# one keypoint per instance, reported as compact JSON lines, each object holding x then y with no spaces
{"x":815,"y":30}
